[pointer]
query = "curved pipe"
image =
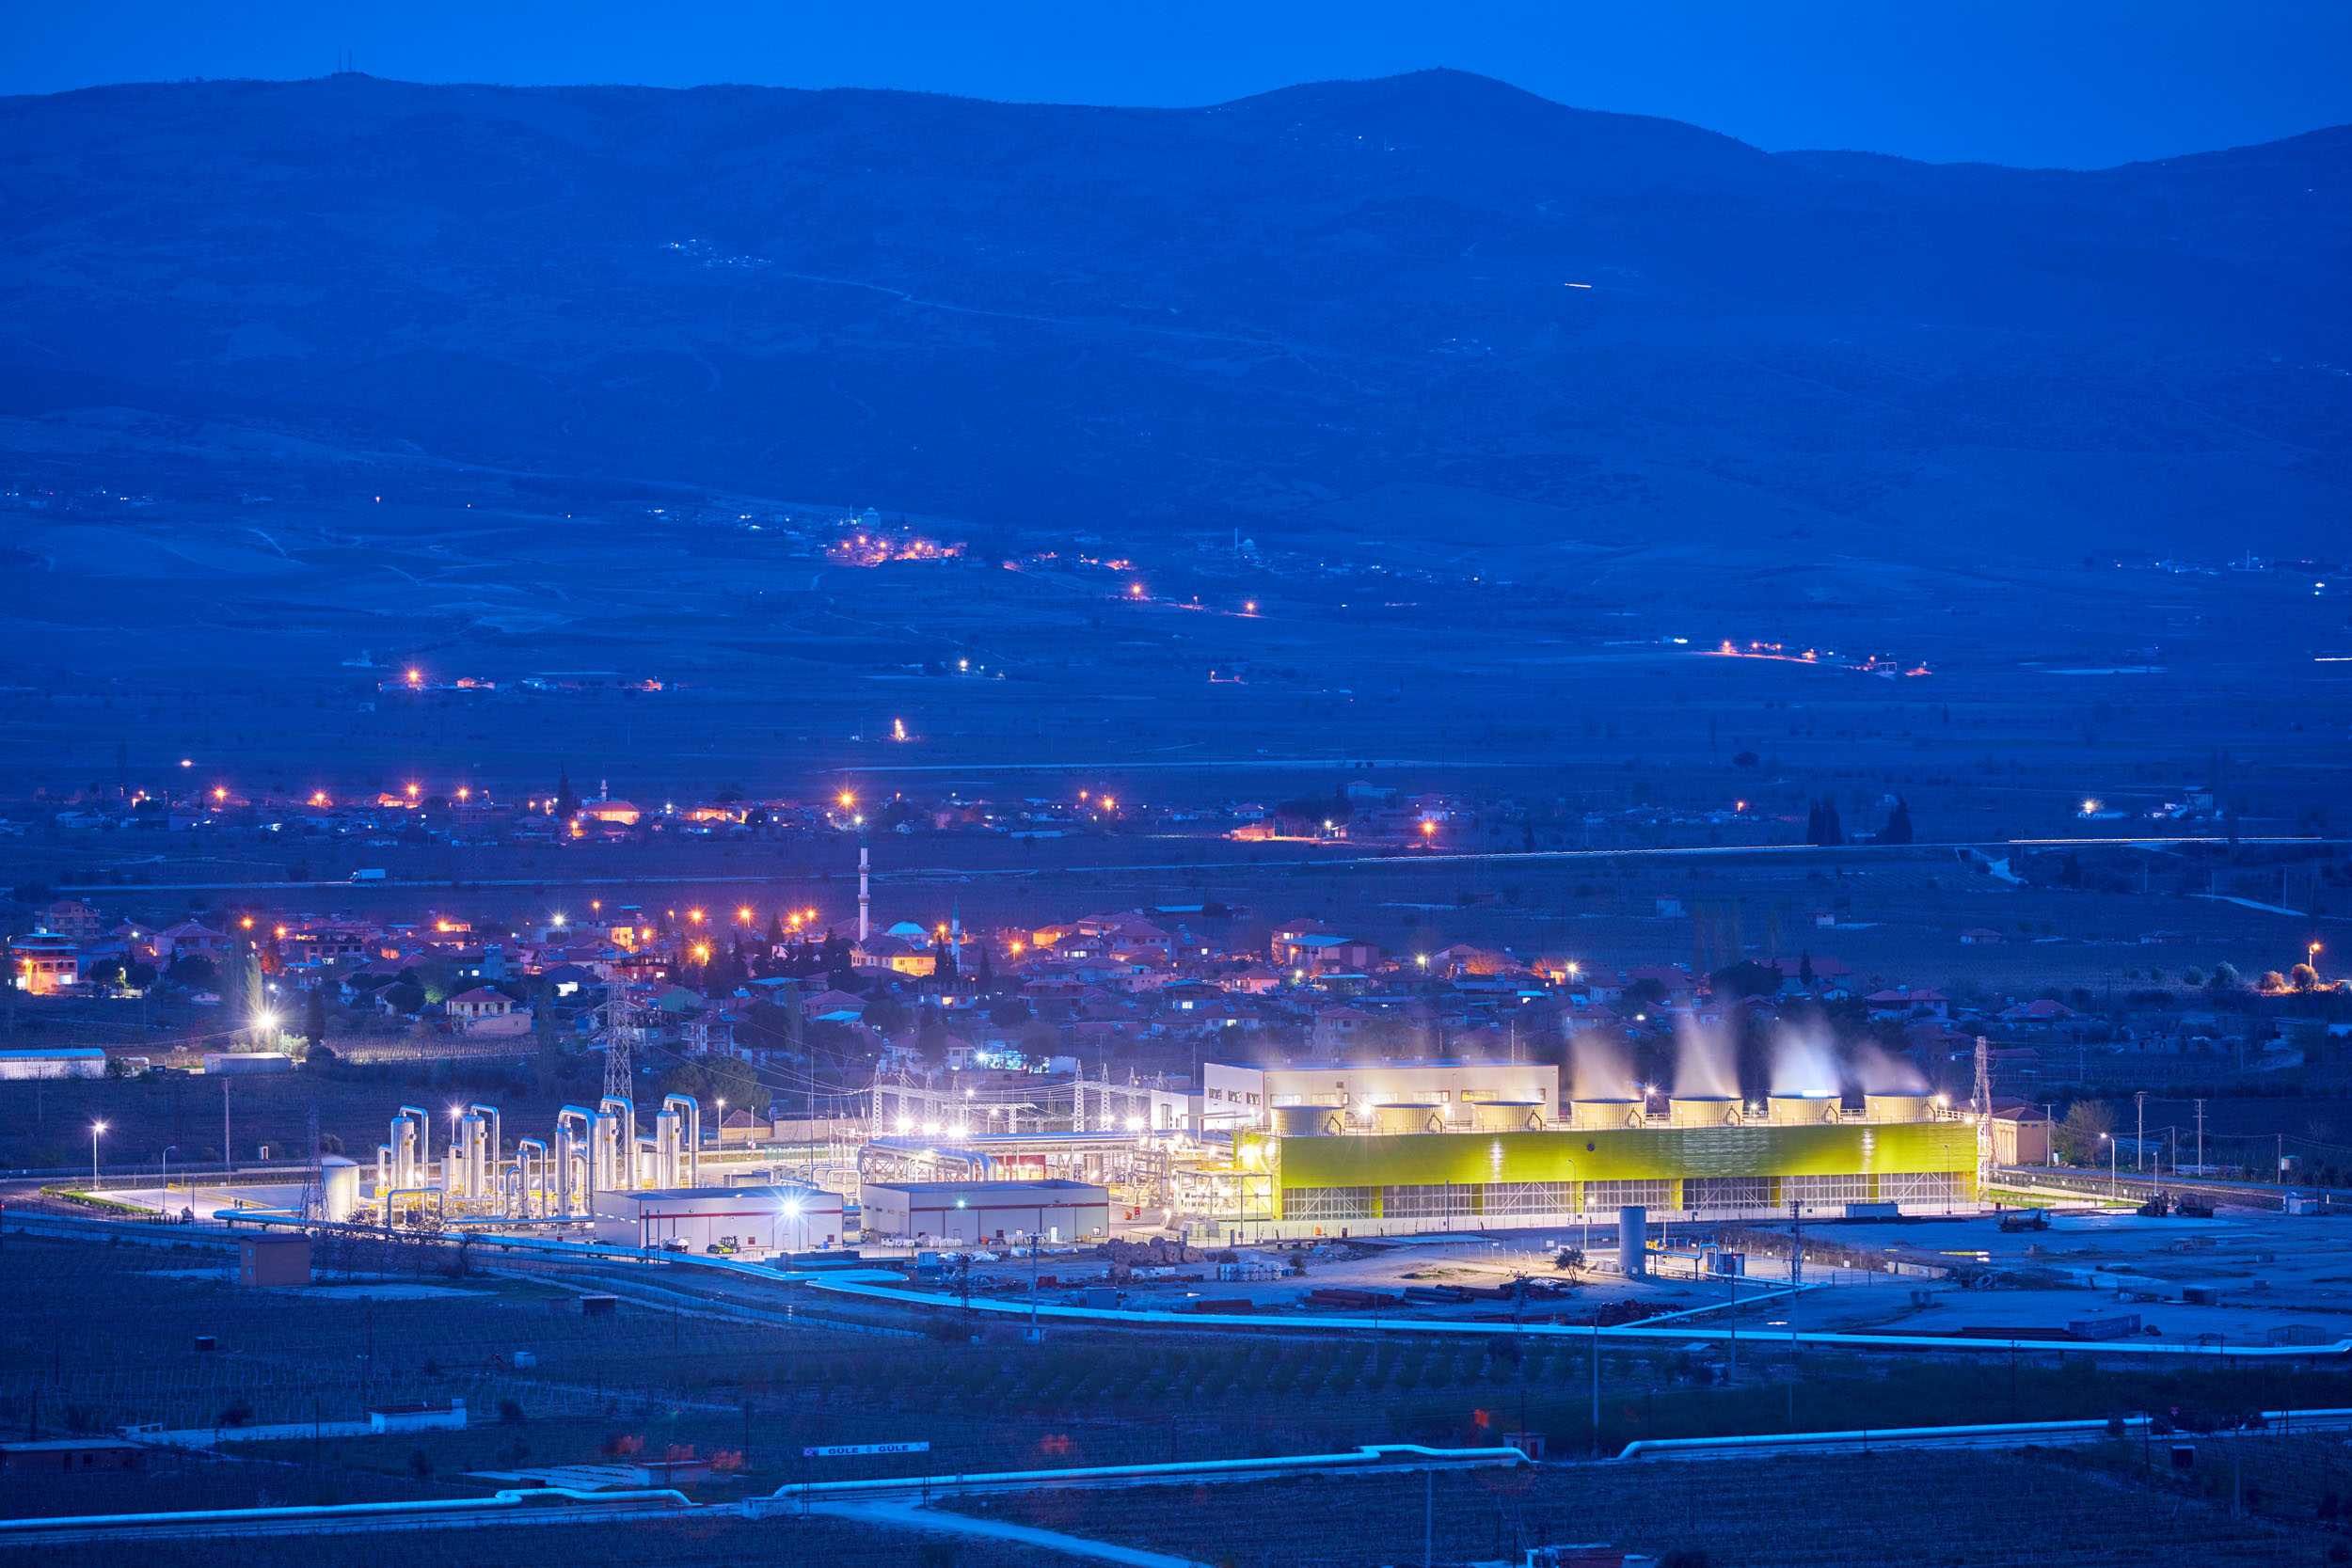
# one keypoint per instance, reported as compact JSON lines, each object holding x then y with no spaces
{"x":434,"y":1193}
{"x":689,"y":1138}
{"x":616,"y":1138}
{"x":485,"y":1179}
{"x":412,"y":1131}
{"x":531,"y":1172}
{"x":570,"y":1146}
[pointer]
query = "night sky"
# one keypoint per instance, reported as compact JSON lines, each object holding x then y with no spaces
{"x":2071,"y":83}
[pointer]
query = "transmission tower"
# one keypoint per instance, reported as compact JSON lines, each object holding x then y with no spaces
{"x":618,"y":1037}
{"x":313,"y":1185}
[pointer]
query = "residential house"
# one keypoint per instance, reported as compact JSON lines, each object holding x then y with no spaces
{"x":486,"y":1013}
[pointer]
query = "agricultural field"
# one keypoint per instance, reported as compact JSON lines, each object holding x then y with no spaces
{"x":2033,"y":1508}
{"x":94,"y":1336}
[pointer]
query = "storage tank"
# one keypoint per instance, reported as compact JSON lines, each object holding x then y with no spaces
{"x":1633,"y":1242}
{"x":1408,"y":1118}
{"x":1805,"y":1107}
{"x":339,"y":1188}
{"x":1604,"y":1113}
{"x":1894,"y":1107}
{"x":1308,"y":1122}
{"x":1704,"y":1110}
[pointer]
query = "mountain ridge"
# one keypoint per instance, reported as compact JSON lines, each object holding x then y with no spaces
{"x":1239,"y":314}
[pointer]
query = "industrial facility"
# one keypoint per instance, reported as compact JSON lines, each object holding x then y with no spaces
{"x":1258,"y":1153}
{"x":1702,"y":1158}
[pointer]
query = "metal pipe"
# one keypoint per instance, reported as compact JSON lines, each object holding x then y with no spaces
{"x":1442,"y":1325}
{"x":412,"y":1145}
{"x":568,"y":1149}
{"x":687,"y":1137}
{"x":530,"y":1162}
{"x":1370,"y":1454}
{"x":667,"y":1496}
{"x":483,"y":1148}
{"x":440,"y":1205}
{"x":1910,"y":1435}
{"x":617,"y":1141}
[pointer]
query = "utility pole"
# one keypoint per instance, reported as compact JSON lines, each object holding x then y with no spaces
{"x":2201,"y":1138}
{"x":227,"y":1165}
{"x":2139,"y":1139}
{"x":1796,"y":1245}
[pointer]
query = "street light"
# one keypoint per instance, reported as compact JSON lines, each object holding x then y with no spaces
{"x":2108,"y":1139}
{"x":169,"y":1149}
{"x":95,"y":1129}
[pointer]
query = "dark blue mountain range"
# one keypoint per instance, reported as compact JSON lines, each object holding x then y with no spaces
{"x":1291,"y":310}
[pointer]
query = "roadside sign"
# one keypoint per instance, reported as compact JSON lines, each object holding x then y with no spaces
{"x":844,"y":1450}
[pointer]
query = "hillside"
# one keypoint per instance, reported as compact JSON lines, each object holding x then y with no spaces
{"x":1287,"y":311}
